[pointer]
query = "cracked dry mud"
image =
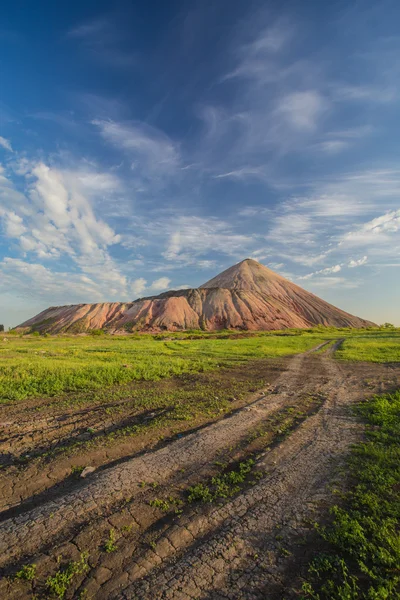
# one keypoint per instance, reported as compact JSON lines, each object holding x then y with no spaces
{"x":240,"y":547}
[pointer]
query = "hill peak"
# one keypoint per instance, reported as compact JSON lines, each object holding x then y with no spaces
{"x":245,"y":275}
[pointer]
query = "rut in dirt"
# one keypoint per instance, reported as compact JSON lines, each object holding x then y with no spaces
{"x":235,"y":553}
{"x":57,"y":519}
{"x":234,"y":549}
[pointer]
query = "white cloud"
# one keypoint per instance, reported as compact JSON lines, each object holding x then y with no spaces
{"x":291,"y":229}
{"x":191,"y":237}
{"x":302,"y":110}
{"x":13,"y":223}
{"x":330,"y":204}
{"x":6,"y":144}
{"x":332,"y":146}
{"x":56,"y":217}
{"x":329,"y":282}
{"x":160,"y":284}
{"x":153,"y":153}
{"x":357,"y":263}
{"x":377,"y":231}
{"x":381,"y":94}
{"x":336,"y":215}
{"x":138,"y":286}
{"x":243,"y":173}
{"x":34,"y":280}
{"x":327,"y":271}
{"x":255,"y":58}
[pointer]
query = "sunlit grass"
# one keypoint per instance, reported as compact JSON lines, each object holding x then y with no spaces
{"x":52,"y":366}
{"x":361,"y":559}
{"x":374,"y":348}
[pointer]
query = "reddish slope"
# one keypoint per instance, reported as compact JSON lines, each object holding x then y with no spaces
{"x":246,"y":296}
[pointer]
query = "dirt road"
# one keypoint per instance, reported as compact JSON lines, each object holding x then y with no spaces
{"x":238,"y":547}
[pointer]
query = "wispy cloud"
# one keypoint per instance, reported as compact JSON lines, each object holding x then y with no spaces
{"x":357,"y":263}
{"x":193,"y":237}
{"x":377,"y":231}
{"x":302,"y":110}
{"x":364,"y":93}
{"x":5,"y":144}
{"x":104,"y":40}
{"x":152,"y":153}
{"x":327,"y":271}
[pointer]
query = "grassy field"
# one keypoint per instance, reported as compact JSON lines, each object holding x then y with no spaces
{"x":33,"y":366}
{"x":378,"y":347}
{"x":362,"y":554}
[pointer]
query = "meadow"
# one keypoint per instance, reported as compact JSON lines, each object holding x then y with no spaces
{"x":33,"y":366}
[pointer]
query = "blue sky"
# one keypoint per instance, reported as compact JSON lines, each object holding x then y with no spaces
{"x":149,"y":145}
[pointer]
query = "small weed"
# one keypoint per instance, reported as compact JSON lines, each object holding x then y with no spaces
{"x":60,"y":582}
{"x":77,"y":470}
{"x":200,"y":493}
{"x":110,"y":545}
{"x":27,"y":573}
{"x":163,"y":505}
{"x":221,"y":486}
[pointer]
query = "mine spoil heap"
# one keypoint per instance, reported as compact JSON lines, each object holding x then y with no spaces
{"x":247,"y":296}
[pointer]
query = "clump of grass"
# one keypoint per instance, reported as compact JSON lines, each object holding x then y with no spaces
{"x":167,"y":504}
{"x":110,"y":545}
{"x":163,"y":505}
{"x":76,"y":470}
{"x":59,"y":583}
{"x":26,"y":573}
{"x":362,"y":558}
{"x":221,"y":486}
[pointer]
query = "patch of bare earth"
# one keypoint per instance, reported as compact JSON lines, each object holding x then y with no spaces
{"x":298,"y":430}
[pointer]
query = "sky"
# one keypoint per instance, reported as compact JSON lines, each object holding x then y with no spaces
{"x":147,"y":146}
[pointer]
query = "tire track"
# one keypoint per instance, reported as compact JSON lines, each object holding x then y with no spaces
{"x":29,"y":532}
{"x":223,"y":563}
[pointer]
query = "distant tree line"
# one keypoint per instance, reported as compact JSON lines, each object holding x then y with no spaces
{"x":1,"y":327}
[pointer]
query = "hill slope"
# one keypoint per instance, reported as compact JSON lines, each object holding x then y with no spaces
{"x":247,"y":296}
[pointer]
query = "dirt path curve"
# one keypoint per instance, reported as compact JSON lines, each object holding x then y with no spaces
{"x":41,"y":527}
{"x":240,"y":556}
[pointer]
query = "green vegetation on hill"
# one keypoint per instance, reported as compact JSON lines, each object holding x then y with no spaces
{"x":362,"y":555}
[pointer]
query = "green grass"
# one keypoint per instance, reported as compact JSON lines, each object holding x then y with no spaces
{"x":33,"y":367}
{"x":382,"y":347}
{"x":362,"y":557}
{"x":37,"y":366}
